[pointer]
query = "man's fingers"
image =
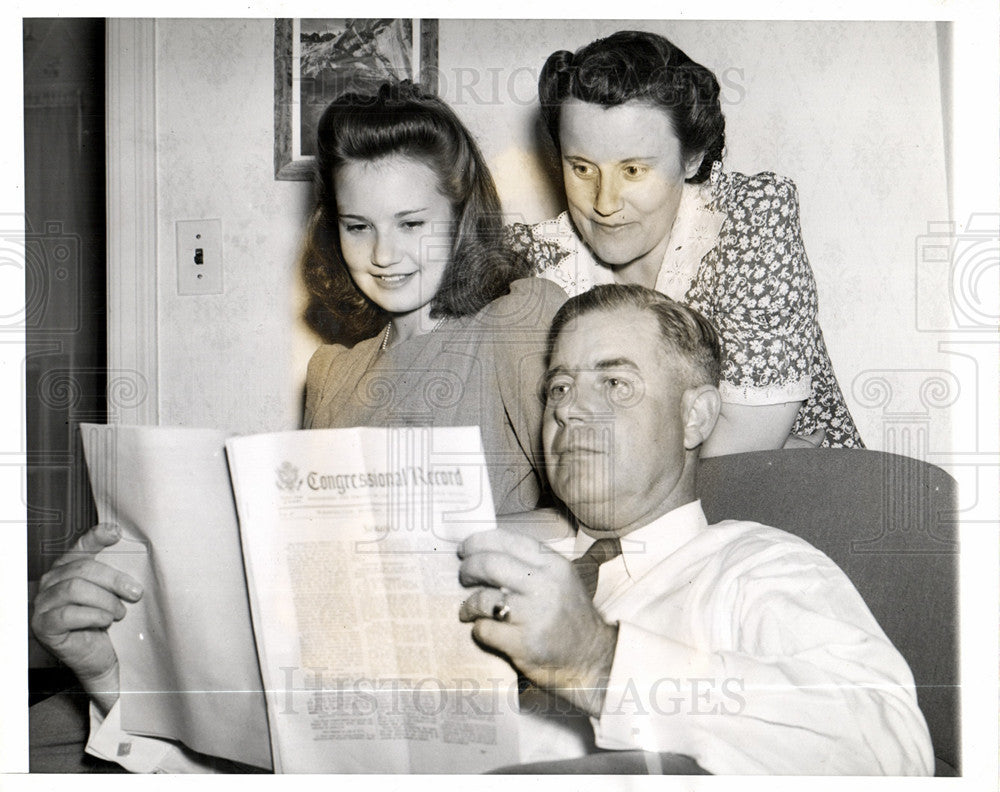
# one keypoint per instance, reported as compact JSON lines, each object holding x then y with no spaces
{"x":482,"y":603}
{"x":75,"y":591}
{"x":474,"y":608}
{"x":96,"y":539}
{"x":94,"y":572}
{"x":504,"y":540}
{"x":67,"y":619}
{"x":497,"y":570}
{"x":505,"y":638}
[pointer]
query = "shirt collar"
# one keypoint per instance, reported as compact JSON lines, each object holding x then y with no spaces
{"x":645,"y":547}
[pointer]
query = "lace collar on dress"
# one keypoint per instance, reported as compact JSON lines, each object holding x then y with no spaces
{"x":694,"y":233}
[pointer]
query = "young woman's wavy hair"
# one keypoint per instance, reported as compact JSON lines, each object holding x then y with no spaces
{"x":403,"y":120}
{"x":643,"y":67}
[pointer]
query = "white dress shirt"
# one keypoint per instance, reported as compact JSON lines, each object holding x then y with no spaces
{"x":747,"y":649}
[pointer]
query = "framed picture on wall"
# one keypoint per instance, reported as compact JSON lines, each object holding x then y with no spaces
{"x":316,"y":60}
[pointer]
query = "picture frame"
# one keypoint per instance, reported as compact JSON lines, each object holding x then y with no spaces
{"x":316,"y":60}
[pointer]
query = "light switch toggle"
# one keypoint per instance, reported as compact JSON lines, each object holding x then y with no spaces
{"x":199,"y":257}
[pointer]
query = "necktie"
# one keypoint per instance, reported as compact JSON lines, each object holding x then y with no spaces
{"x":587,"y":565}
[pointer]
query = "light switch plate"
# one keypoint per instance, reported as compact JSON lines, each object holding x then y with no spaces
{"x":199,"y":257}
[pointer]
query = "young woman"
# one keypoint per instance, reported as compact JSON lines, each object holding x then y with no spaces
{"x":432,"y":324}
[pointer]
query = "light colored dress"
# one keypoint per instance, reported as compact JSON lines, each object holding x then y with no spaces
{"x":483,"y":370}
{"x":735,"y":255}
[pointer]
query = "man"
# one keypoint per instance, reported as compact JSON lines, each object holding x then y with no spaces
{"x":737,"y":645}
{"x":733,"y":648}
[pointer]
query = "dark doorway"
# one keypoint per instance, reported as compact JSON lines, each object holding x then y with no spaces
{"x":65,"y":293}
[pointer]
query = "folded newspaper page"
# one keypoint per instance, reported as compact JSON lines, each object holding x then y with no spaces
{"x":344,"y":556}
{"x":186,"y":649}
{"x":349,"y":537}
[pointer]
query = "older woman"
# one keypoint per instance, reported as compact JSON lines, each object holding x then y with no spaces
{"x":640,"y":134}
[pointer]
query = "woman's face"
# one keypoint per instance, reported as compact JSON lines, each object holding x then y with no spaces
{"x":395,"y":231}
{"x":624,"y":170}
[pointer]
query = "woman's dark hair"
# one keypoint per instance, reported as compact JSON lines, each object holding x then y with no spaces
{"x":642,"y":67}
{"x":403,"y":120}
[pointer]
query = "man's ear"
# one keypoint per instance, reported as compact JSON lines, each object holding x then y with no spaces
{"x":701,"y":406}
{"x":692,"y":163}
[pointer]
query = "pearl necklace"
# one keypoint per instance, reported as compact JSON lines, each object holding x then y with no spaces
{"x":388,"y":329}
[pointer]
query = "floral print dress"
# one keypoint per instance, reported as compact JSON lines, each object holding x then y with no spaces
{"x":736,"y":255}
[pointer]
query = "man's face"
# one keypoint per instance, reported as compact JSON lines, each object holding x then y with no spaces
{"x":623,"y":170}
{"x":613,"y":429}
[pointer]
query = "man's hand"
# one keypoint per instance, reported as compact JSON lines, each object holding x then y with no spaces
{"x":553,"y":635}
{"x":77,"y":600}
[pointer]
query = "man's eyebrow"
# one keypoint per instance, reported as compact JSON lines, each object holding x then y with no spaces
{"x":600,"y":365}
{"x":615,"y":363}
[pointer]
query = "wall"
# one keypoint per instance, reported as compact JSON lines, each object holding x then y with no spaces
{"x":226,"y":360}
{"x":850,"y":111}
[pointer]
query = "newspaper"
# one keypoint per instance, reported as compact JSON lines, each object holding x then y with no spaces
{"x":348,"y":542}
{"x":188,"y":667}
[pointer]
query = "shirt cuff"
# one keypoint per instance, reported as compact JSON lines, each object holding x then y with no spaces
{"x":654,"y":683}
{"x":136,"y":754}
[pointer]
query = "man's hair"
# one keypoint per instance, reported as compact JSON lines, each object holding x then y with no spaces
{"x":686,"y":334}
{"x":402,"y":119}
{"x":635,"y":66}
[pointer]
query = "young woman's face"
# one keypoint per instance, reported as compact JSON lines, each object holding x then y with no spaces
{"x":624,"y":170}
{"x":395,"y":231}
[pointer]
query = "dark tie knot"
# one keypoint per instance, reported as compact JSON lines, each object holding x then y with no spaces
{"x":589,"y":563}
